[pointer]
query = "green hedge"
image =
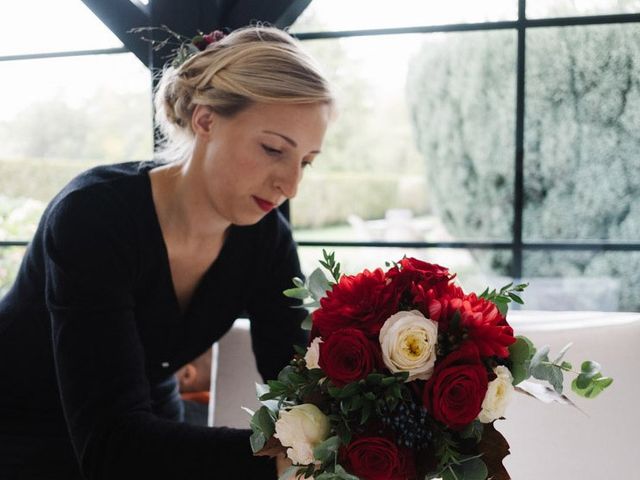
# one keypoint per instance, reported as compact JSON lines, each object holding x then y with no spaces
{"x":329,"y":198}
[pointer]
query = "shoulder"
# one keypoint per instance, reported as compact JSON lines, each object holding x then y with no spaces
{"x":101,"y":189}
{"x":97,"y":206}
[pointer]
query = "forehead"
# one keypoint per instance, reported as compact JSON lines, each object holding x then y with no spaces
{"x":300,"y":122}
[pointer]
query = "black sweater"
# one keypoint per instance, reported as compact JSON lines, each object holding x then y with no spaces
{"x":92,"y":327}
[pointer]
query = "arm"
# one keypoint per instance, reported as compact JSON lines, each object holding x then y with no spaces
{"x":275,"y":325}
{"x":99,"y":358}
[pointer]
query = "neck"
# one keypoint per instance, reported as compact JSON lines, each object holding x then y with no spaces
{"x":183,"y":210}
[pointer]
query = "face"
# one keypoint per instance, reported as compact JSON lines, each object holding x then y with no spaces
{"x":254,"y":161}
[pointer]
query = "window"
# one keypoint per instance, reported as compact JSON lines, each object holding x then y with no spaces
{"x":436,"y":100}
{"x":72,"y":98}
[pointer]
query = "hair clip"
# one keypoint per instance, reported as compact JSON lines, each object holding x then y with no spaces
{"x":184,"y":47}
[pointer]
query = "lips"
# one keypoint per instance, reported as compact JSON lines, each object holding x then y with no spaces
{"x":265,"y":205}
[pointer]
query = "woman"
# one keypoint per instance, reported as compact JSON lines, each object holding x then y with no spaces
{"x":137,"y":268}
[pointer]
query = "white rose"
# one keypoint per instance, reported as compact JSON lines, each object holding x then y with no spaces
{"x":408,"y":341}
{"x":302,"y":428}
{"x":312,"y":357}
{"x":498,"y":395}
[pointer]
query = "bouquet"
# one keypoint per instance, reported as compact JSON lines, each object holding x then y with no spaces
{"x":404,"y":377}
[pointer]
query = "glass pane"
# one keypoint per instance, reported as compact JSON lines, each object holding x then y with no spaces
{"x":93,"y":110}
{"x":10,"y":258}
{"x":582,"y":168}
{"x":422,"y":148}
{"x":573,"y":280}
{"x":39,"y":26}
{"x":323,"y":15}
{"x":576,"y":8}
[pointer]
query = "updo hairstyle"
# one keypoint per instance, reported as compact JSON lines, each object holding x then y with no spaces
{"x":256,"y":64}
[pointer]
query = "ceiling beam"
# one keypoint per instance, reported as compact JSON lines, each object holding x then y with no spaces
{"x":120,"y":16}
{"x":279,"y":13}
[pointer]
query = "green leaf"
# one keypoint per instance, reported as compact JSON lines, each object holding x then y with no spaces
{"x":257,"y":440}
{"x":515,"y":298}
{"x":469,"y":469}
{"x":544,"y":370}
{"x":520,"y":354}
{"x":388,"y":381}
{"x":266,"y":397}
{"x":343,"y":475}
{"x":374,"y":378}
{"x":318,"y":284}
{"x":277,"y":386}
{"x":299,"y":293}
{"x":307,"y":323}
{"x":300,"y":350}
{"x":541,"y":355}
{"x":263,"y":422}
{"x":590,"y":383}
{"x":327,"y":449}
{"x":473,"y":430}
{"x":563,"y":352}
{"x":298,"y":282}
{"x":289,"y":473}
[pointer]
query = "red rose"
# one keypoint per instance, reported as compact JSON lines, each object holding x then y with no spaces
{"x":454,"y":394}
{"x":377,"y":458}
{"x":413,"y":278}
{"x":361,"y":301}
{"x":347,"y":355}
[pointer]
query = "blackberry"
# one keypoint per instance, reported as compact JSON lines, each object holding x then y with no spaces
{"x":411,"y":425}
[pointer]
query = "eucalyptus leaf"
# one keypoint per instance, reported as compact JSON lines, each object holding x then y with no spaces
{"x":289,"y":473}
{"x":257,"y":440}
{"x":307,"y":323}
{"x":262,"y":421}
{"x":299,"y":292}
{"x":343,"y":475}
{"x":318,"y":284}
{"x":471,"y":469}
{"x":473,"y":430}
{"x":595,"y":386}
{"x":298,"y":282}
{"x":563,"y":352}
{"x":542,"y":355}
{"x":327,"y":449}
{"x":520,"y":354}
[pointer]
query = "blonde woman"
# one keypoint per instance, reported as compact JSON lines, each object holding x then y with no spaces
{"x":137,"y":268}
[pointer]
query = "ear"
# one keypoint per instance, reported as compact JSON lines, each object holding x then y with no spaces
{"x":203,"y":120}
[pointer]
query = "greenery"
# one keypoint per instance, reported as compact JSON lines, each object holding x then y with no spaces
{"x":582,"y":171}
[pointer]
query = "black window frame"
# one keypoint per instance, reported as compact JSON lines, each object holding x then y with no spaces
{"x":517,"y":245}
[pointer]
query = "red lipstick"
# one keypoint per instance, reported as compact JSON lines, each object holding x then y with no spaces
{"x":265,"y":205}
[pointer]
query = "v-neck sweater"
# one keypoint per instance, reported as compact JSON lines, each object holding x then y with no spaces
{"x":92,"y":326}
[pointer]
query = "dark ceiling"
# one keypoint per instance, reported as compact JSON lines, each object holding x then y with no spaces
{"x":188,"y":17}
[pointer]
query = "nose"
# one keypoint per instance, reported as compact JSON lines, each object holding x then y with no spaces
{"x":288,"y":178}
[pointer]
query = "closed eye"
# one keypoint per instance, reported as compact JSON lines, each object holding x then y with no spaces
{"x":271,"y":150}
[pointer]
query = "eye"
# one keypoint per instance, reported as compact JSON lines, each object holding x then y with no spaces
{"x":271,"y":150}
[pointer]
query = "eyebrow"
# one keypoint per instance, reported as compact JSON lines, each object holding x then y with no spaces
{"x":286,"y":139}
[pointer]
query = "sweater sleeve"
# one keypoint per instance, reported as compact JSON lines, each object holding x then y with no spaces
{"x":275,"y":322}
{"x":91,"y":267}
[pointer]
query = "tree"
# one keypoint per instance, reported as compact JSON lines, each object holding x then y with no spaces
{"x":582,"y":169}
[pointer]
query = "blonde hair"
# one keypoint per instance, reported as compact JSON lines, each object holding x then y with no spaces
{"x":256,"y":64}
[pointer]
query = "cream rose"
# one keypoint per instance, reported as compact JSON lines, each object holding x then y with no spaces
{"x":498,"y":395}
{"x":302,"y":428}
{"x":408,"y":341}
{"x":312,"y":357}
